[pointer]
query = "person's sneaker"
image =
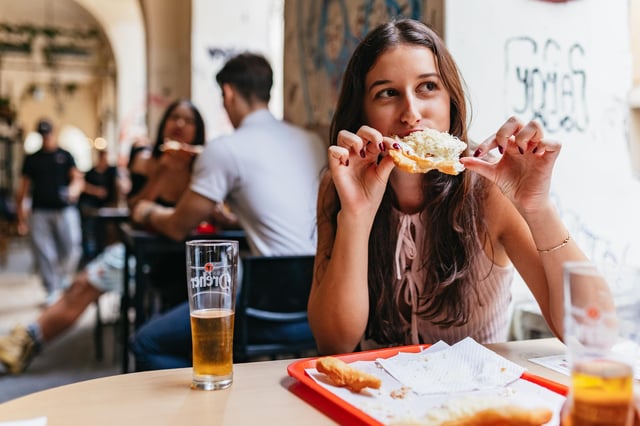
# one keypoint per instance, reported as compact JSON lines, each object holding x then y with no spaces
{"x":16,"y":350}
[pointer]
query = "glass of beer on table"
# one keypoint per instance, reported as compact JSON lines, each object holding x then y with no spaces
{"x":212,"y":271}
{"x":601,"y":329}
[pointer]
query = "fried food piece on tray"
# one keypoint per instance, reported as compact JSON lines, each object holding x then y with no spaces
{"x":342,"y":374}
{"x":503,"y":416}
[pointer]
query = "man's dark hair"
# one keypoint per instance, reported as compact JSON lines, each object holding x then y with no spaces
{"x":249,"y":74}
{"x":44,"y":127}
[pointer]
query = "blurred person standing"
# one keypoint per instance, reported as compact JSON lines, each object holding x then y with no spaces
{"x":51,"y":178}
{"x":100,"y":190}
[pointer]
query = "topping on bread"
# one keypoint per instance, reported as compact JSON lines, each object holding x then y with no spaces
{"x":342,"y":374}
{"x":429,"y":149}
{"x":178,"y":146}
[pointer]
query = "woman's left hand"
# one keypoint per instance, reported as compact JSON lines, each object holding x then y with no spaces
{"x":523,"y":173}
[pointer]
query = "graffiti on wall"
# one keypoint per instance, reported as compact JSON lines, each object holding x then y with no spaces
{"x":547,"y":81}
{"x":321,"y":35}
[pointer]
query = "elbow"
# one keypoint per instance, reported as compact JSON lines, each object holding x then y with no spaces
{"x":333,"y":348}
{"x":329,"y":341}
{"x":176,"y":234}
{"x":169,"y":228}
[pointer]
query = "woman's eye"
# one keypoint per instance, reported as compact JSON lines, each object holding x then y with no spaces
{"x":386,"y":93}
{"x":428,"y":86}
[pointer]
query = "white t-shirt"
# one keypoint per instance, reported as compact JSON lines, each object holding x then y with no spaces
{"x":268,"y":173}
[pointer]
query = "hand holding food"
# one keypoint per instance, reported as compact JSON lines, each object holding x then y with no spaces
{"x":179,"y":146}
{"x":427,"y":150}
{"x":342,"y":374}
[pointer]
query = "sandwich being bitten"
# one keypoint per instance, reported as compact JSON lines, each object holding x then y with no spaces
{"x":429,"y":149}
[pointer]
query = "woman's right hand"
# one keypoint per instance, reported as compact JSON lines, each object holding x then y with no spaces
{"x":177,"y":156}
{"x":360,"y":179}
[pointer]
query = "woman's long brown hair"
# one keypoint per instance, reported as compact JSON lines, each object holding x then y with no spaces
{"x":452,"y":215}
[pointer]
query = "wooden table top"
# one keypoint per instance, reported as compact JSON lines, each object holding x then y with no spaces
{"x":262,"y":393}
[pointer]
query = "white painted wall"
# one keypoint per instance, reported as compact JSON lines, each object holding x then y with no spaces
{"x":123,"y":24}
{"x":585,"y":45}
{"x":227,"y":28}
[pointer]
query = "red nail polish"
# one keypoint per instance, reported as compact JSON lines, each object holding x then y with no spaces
{"x":500,"y":149}
{"x":347,"y":163}
{"x":521,"y":150}
{"x":535,"y":150}
{"x":477,"y":152}
{"x":396,"y":145}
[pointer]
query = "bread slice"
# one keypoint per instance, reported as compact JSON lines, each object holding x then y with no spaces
{"x":177,"y":146}
{"x":427,"y":150}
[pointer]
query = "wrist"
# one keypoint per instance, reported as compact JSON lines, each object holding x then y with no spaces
{"x":541,"y":213}
{"x":146,"y":214}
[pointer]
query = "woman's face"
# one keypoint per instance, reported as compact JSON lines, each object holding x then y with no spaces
{"x":404,"y":92}
{"x":180,"y":125}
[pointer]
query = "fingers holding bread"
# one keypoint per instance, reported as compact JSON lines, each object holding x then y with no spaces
{"x":427,"y":150}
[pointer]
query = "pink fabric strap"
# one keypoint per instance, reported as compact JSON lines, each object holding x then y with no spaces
{"x":406,"y":252}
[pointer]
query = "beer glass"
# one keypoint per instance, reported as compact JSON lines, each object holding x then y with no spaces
{"x":602,"y":313}
{"x":212,"y":267}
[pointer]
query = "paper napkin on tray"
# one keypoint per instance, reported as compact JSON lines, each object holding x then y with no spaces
{"x":465,"y":366}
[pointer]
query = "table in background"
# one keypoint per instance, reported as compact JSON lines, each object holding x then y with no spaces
{"x":101,"y":219}
{"x":144,"y":246}
{"x":262,"y":393}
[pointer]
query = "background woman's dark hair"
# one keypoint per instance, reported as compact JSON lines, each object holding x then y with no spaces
{"x":198,"y":138}
{"x":249,"y":74}
{"x":452,"y":215}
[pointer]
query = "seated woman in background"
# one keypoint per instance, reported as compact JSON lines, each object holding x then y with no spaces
{"x":156,"y":173}
{"x":409,"y":258}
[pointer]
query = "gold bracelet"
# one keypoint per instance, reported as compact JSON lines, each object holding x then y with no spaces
{"x":554,"y":248}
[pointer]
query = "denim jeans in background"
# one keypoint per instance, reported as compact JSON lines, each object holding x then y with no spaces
{"x":165,"y":341}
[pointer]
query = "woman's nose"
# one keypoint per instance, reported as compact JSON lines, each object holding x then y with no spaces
{"x":411,"y":113}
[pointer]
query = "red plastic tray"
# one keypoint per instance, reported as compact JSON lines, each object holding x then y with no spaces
{"x":345,"y":413}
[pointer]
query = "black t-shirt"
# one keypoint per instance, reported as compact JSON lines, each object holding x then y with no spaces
{"x":107,"y":180}
{"x":50,"y":175}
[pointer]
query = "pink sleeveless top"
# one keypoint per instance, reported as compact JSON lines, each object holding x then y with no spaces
{"x":488,"y":320}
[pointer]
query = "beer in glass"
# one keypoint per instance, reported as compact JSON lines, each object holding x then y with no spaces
{"x":602,"y":309}
{"x":212,"y":281}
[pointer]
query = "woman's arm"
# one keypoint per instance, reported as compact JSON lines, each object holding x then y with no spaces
{"x":532,"y":233}
{"x":339,"y":301}
{"x":542,"y":272}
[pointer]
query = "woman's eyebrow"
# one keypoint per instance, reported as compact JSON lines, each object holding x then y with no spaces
{"x":383,"y":82}
{"x":378,"y":83}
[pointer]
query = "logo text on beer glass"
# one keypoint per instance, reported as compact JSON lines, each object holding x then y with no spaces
{"x":214,"y":277}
